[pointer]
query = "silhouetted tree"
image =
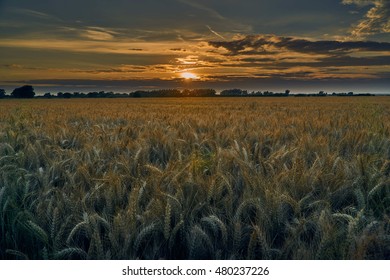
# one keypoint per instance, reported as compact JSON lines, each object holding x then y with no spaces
{"x":2,"y":93}
{"x":93,"y":94}
{"x":234,"y":92}
{"x":322,"y":93}
{"x":26,"y":91}
{"x":67,"y":95}
{"x":202,"y":93}
{"x":47,"y":95}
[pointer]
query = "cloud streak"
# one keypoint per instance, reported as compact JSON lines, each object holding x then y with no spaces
{"x":98,"y":33}
{"x":215,"y":33}
{"x":34,"y":14}
{"x":99,"y":43}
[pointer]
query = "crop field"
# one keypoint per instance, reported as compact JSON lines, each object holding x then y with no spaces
{"x":195,"y":178}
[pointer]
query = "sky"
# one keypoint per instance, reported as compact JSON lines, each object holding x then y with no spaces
{"x":127,"y":45}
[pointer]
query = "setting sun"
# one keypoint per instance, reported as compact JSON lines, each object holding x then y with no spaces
{"x":189,"y":76}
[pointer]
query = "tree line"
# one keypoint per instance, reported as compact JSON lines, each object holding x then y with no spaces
{"x":27,"y":91}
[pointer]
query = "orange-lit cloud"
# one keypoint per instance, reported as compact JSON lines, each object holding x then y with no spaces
{"x":98,"y":33}
{"x":376,"y":20}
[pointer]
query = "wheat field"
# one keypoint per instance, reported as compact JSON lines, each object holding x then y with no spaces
{"x":200,"y":178}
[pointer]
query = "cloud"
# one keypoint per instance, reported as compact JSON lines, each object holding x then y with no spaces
{"x":272,"y":56}
{"x":358,"y":2}
{"x":215,"y":33}
{"x":96,"y":44}
{"x":376,"y":20}
{"x":20,"y":67}
{"x":33,"y":13}
{"x":178,"y":50}
{"x":271,"y":44}
{"x":98,"y":33}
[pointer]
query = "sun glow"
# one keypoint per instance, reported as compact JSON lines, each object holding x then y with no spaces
{"x":189,"y":76}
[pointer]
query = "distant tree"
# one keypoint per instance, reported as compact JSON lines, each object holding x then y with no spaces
{"x":268,"y":93}
{"x":138,"y":94}
{"x":198,"y":93}
{"x":47,"y":95}
{"x":234,"y":92}
{"x":322,"y":93}
{"x":203,"y":92}
{"x":2,"y":93}
{"x":26,"y":91}
{"x":93,"y":94}
{"x":67,"y":95}
{"x":257,"y":93}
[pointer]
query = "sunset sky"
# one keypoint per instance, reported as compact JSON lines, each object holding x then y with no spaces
{"x":126,"y":45}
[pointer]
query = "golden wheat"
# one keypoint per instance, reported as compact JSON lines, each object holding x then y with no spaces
{"x":222,"y":178}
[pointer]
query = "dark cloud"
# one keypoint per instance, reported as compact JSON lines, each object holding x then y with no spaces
{"x":268,"y":44}
{"x":20,"y":67}
{"x":290,"y":58}
{"x":132,"y":69}
{"x":178,"y":50}
{"x":327,"y":62}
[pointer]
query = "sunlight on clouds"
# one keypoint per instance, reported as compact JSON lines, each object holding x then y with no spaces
{"x":188,"y":60}
{"x":189,"y":76}
{"x":91,"y":46}
{"x":376,"y":20}
{"x":246,"y":57}
{"x":97,"y":35}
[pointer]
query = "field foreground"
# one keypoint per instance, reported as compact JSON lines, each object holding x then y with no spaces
{"x":207,"y":178}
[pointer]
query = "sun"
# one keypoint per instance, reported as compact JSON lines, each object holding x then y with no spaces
{"x":189,"y":76}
